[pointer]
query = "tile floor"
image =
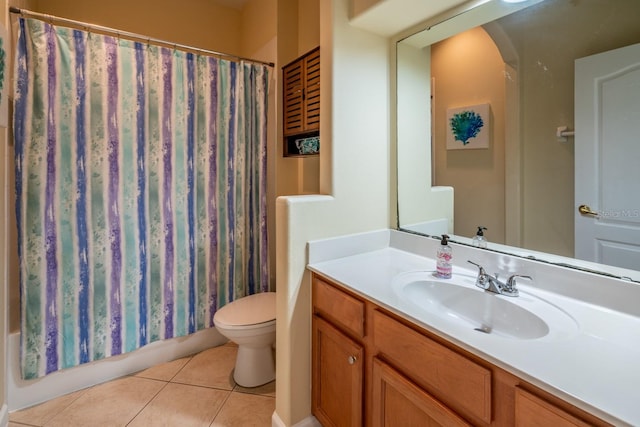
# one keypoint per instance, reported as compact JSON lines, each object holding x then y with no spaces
{"x":193,"y":391}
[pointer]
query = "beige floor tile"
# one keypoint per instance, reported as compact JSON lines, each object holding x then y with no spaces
{"x":182,"y":405}
{"x":110,"y":404}
{"x":245,"y":410}
{"x":210,"y":368}
{"x":38,"y":415}
{"x":269,"y":389}
{"x":148,"y":400}
{"x":164,"y":371}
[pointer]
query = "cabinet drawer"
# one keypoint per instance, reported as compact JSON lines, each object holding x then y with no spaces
{"x":461,"y":383}
{"x":341,"y":308}
{"x":534,"y":411}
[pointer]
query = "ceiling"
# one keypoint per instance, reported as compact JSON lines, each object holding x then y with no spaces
{"x":388,"y":17}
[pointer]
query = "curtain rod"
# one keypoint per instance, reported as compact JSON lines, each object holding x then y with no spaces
{"x":126,"y":34}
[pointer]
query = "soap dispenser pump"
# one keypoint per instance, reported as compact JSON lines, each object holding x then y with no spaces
{"x":443,"y":258}
{"x":479,"y":240}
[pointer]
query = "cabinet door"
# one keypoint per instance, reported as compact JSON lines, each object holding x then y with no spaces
{"x":293,"y":83}
{"x":312,"y":91}
{"x":399,"y":402}
{"x":532,"y":411}
{"x":301,"y":83}
{"x":337,"y":363}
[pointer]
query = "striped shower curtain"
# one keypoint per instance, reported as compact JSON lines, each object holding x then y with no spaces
{"x":140,"y":192}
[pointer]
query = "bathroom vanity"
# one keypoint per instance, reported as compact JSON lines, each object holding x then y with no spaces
{"x":393,"y":345}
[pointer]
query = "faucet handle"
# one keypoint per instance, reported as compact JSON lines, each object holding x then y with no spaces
{"x":483,"y":279}
{"x":480,"y":268}
{"x":511,"y":283}
{"x":512,"y":279}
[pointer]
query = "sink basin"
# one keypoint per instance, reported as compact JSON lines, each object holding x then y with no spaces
{"x":460,"y":302}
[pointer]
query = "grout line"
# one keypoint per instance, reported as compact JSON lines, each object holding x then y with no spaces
{"x":82,"y":391}
{"x":221,"y":407}
{"x":203,"y":386}
{"x":183,"y":366}
{"x":150,"y":400}
{"x":226,"y":399}
{"x":252,"y":390}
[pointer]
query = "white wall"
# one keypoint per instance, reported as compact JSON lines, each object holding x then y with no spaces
{"x":298,"y":33}
{"x":420,"y":201}
{"x":354,"y":171}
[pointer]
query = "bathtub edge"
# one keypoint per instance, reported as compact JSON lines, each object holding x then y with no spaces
{"x":22,"y":394}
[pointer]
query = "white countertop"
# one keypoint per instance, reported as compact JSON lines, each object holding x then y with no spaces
{"x":597,"y":368}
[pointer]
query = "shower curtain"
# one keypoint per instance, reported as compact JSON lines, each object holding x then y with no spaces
{"x":140,"y":192}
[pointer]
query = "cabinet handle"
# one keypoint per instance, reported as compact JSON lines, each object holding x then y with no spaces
{"x":352,"y":360}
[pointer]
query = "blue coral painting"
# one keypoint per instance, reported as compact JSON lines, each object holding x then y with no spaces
{"x":468,"y":127}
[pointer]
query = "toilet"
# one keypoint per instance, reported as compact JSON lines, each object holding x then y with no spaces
{"x":250,"y":322}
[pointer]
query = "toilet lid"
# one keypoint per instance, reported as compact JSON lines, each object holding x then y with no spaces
{"x":249,"y":310}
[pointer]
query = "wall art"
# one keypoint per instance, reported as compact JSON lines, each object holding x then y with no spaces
{"x":468,"y":127}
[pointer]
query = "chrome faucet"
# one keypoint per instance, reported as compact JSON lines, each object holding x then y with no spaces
{"x":493,"y":284}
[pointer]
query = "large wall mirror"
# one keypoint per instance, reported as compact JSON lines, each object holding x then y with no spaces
{"x":524,"y":118}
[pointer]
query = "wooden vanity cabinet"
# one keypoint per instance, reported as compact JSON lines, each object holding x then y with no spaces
{"x":372,"y":367}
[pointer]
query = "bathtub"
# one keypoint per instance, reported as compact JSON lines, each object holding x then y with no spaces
{"x":22,"y":394}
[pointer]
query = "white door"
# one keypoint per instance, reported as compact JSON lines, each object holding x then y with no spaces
{"x":607,"y":157}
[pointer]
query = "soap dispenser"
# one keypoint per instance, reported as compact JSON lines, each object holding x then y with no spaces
{"x":479,"y":240}
{"x":443,"y":258}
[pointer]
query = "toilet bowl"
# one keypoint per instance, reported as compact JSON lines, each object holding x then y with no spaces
{"x":250,"y":322}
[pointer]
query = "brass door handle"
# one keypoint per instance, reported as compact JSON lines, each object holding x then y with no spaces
{"x":586,"y":210}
